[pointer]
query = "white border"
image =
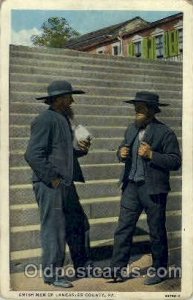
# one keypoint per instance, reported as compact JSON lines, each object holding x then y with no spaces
{"x":187,"y":190}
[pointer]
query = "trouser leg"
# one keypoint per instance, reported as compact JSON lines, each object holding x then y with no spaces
{"x":155,"y":208}
{"x":52,"y":220}
{"x":129,"y":214}
{"x":77,"y":229}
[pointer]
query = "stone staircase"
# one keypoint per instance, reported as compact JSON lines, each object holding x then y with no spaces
{"x":107,"y":81}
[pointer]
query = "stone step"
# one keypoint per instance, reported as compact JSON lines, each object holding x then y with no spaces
{"x":86,"y":109}
{"x":104,"y":82}
{"x":19,"y":259}
{"x":113,"y":100}
{"x":102,"y":88}
{"x":22,"y":175}
{"x":97,"y":143}
{"x":94,"y":157}
{"x":43,"y":52}
{"x":27,"y":237}
{"x":109,"y":144}
{"x":79,"y":68}
{"x":141,"y":76}
{"x":28,"y":214}
{"x":66,"y":61}
{"x":23,"y":194}
{"x":94,"y":120}
{"x":96,"y":131}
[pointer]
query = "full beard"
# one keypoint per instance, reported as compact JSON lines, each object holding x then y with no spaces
{"x":69,"y":113}
{"x":141,"y":123}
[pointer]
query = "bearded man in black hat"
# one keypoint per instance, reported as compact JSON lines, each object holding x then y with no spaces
{"x":150,"y":151}
{"x":53,"y":159}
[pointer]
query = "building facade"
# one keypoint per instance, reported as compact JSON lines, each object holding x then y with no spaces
{"x":162,"y":39}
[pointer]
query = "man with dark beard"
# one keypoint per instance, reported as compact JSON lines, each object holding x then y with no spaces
{"x":150,"y":151}
{"x":55,"y":166}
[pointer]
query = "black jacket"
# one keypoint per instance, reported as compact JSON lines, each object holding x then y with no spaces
{"x":50,"y":151}
{"x":166,"y":156}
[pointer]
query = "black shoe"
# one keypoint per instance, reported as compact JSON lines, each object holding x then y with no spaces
{"x":62,"y":282}
{"x":154,"y":278}
{"x":119,"y":276}
{"x":119,"y":279}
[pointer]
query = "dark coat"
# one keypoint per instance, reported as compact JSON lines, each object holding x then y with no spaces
{"x":50,"y":151}
{"x":166,"y":156}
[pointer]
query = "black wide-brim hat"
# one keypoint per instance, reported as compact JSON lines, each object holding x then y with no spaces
{"x":151,"y":99}
{"x":59,"y":88}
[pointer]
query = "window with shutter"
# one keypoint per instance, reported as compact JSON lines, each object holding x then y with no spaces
{"x":159,"y":46}
{"x":137,"y":49}
{"x":180,"y":40}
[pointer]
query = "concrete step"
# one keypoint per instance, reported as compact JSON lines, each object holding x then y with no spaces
{"x":66,"y":60}
{"x":27,"y":237}
{"x":102,"y":88}
{"x":19,"y":259}
{"x":23,"y":193}
{"x":97,"y":143}
{"x":22,"y":175}
{"x":28,"y":214}
{"x":86,"y":109}
{"x":18,"y":67}
{"x":142,"y":76}
{"x":111,"y":144}
{"x":53,"y":52}
{"x":94,"y":120}
{"x":94,"y":157}
{"x":104,"y":82}
{"x":113,"y":100}
{"x":96,"y":131}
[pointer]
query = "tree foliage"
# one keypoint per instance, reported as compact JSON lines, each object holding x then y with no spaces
{"x":55,"y":33}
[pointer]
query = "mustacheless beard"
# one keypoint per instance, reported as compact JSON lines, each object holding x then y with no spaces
{"x":69,"y":113}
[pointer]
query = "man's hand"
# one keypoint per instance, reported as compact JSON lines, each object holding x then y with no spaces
{"x":145,"y":150}
{"x":124,"y":152}
{"x":84,"y":145}
{"x":56,"y":182}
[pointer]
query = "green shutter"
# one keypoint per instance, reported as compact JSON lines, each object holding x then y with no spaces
{"x":170,"y":33}
{"x":173,"y":43}
{"x":152,"y":50}
{"x":131,"y":49}
{"x":145,"y":53}
{"x":166,"y":45}
{"x":176,"y":42}
{"x":154,"y":47}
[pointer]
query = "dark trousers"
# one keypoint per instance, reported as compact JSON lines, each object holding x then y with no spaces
{"x":134,"y":200}
{"x":62,"y":221}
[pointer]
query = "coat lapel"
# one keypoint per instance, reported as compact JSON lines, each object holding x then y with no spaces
{"x":150,"y":131}
{"x":131,"y":134}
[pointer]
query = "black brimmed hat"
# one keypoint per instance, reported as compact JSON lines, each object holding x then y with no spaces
{"x":151,"y":99}
{"x":59,"y":88}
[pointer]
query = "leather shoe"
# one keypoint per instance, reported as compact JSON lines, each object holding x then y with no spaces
{"x":154,"y":279}
{"x":119,"y":279}
{"x":64,"y":283}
